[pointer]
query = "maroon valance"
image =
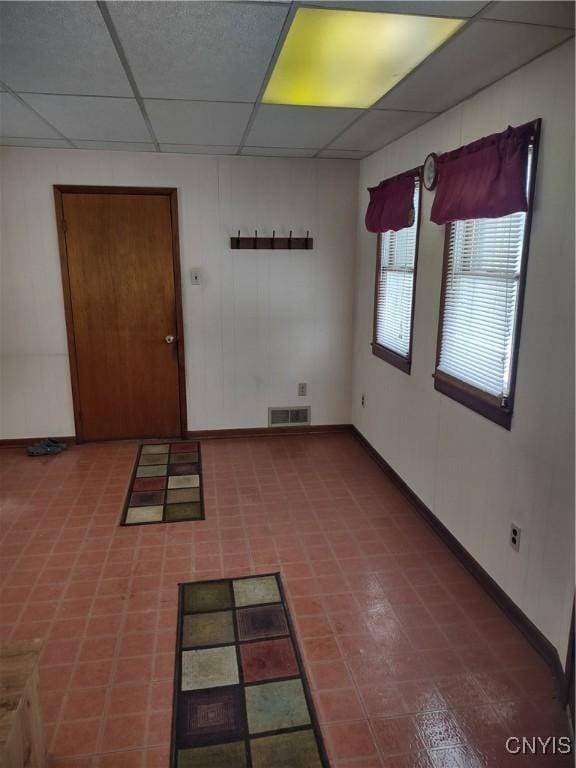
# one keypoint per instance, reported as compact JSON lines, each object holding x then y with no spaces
{"x":485,"y":179}
{"x":391,"y":205}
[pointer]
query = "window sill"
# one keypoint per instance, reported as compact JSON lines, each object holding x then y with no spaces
{"x":402,"y":363}
{"x":475,"y":399}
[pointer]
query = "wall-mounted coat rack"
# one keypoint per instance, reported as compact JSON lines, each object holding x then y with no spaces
{"x":272,"y":243}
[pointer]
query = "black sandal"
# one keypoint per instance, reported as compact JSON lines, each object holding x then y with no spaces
{"x":46,"y":447}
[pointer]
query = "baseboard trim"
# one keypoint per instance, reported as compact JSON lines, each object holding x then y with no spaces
{"x":204,"y":434}
{"x":15,"y":442}
{"x":308,"y":429}
{"x":525,"y":625}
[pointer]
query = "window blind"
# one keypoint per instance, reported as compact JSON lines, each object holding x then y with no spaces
{"x":395,"y":285}
{"x":484,"y":264}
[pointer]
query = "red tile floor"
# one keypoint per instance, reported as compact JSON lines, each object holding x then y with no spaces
{"x":411,"y":663}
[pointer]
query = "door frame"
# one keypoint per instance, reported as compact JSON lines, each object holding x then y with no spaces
{"x":568,"y":692}
{"x":172,"y":194}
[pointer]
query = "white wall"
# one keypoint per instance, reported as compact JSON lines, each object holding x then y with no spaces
{"x":261,"y":321}
{"x":474,"y":475}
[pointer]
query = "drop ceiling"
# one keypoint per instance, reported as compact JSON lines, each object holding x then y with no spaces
{"x":188,"y":77}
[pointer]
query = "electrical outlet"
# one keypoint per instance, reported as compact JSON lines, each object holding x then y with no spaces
{"x":363,"y":401}
{"x":196,"y":276}
{"x":302,"y":389}
{"x":515,"y":534}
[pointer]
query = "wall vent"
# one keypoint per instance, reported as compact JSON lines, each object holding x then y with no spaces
{"x":287,"y":417}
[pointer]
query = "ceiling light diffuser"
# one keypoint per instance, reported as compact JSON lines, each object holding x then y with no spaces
{"x":334,"y":58}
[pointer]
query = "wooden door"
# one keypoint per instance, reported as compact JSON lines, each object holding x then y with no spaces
{"x":121,"y":283}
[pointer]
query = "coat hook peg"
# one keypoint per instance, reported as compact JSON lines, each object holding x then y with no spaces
{"x":255,"y":243}
{"x":290,"y":240}
{"x":273,"y":238}
{"x":307,"y":238}
{"x":238,"y":240}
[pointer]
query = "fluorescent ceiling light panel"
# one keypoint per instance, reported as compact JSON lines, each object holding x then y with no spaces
{"x":333,"y":58}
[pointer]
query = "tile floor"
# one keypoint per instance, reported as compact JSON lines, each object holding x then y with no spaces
{"x":410,"y":662}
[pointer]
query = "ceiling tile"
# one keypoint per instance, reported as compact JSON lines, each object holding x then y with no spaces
{"x":456,"y":9}
{"x":199,"y":50}
{"x":278,"y":126}
{"x":198,"y":122}
{"x":557,"y":14}
{"x":51,"y":47}
{"x":125,"y":146}
{"x":86,"y":117}
{"x":481,"y":54}
{"x":16,"y":120}
{"x":278,"y":152}
{"x":379,"y":127}
{"x":50,"y":143}
{"x":344,"y":154}
{"x":197,"y":149}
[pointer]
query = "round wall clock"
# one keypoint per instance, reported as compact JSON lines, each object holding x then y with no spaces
{"x":430,"y":171}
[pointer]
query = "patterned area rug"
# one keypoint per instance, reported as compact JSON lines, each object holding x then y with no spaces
{"x":241,"y":699}
{"x":166,"y":485}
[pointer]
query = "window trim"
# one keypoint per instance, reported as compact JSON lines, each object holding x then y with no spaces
{"x":379,"y":350}
{"x":477,"y":400}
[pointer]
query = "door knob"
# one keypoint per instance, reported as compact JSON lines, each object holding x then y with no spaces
{"x":169,"y":339}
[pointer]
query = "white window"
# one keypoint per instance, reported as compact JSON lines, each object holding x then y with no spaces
{"x":483,"y":279}
{"x":394,"y":297}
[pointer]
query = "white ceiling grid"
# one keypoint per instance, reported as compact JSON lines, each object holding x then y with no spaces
{"x":187,"y":77}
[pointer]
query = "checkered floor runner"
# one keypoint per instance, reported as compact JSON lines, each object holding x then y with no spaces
{"x":240,"y":695}
{"x":166,"y":485}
